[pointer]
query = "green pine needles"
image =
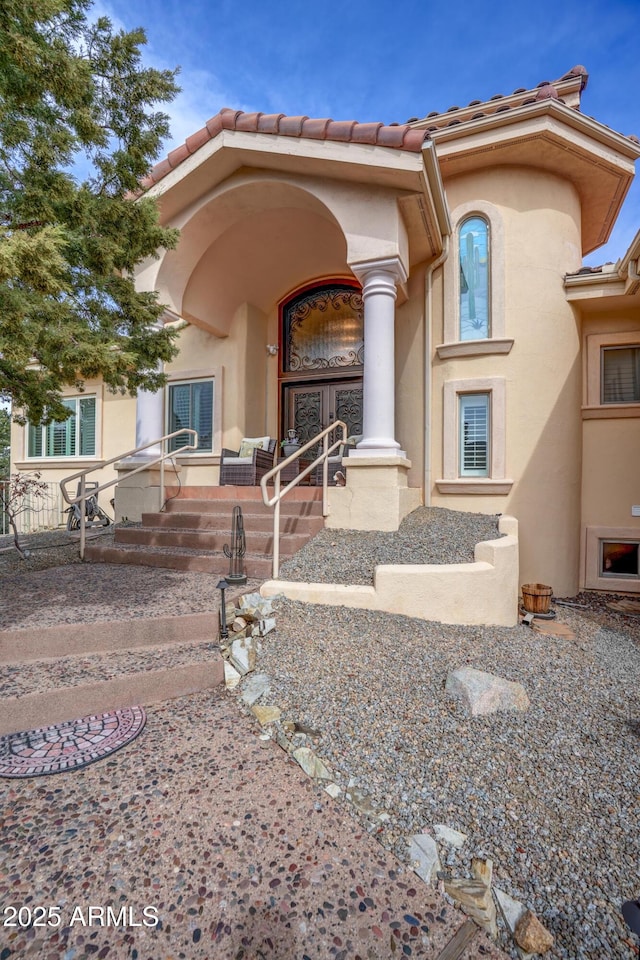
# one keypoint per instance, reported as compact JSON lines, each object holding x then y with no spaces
{"x":74,"y":96}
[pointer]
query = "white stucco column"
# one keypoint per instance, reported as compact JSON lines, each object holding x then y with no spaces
{"x":379,"y":279}
{"x":149,"y":421}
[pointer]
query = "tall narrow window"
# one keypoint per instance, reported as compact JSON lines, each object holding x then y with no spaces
{"x":620,"y":375}
{"x":475,"y":320}
{"x":191,"y":405}
{"x":74,"y":437}
{"x":474,"y":435}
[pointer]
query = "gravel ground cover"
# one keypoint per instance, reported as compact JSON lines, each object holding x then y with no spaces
{"x":427,"y":535}
{"x":551,"y":795}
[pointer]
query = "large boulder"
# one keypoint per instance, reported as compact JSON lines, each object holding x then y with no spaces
{"x":483,"y":693}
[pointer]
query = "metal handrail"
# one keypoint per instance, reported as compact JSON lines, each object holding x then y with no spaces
{"x":82,"y":474}
{"x":279,"y":493}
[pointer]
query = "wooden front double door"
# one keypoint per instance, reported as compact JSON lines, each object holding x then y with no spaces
{"x":309,"y":407}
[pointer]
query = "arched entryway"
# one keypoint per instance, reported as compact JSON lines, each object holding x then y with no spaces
{"x":321,"y":358}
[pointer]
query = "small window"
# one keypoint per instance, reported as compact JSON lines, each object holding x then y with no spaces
{"x":191,"y":405}
{"x":473,"y":237}
{"x":74,"y":437}
{"x":620,"y":375}
{"x":474,"y":435}
{"x":619,"y":559}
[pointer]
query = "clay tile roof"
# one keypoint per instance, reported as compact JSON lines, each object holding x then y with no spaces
{"x":399,"y":136}
{"x":521,"y":97}
{"x":546,"y":91}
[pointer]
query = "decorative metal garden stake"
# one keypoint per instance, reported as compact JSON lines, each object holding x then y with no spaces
{"x":224,"y":632}
{"x":237,"y":549}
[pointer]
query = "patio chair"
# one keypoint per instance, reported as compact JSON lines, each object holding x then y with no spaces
{"x":247,"y":466}
{"x":335,"y":463}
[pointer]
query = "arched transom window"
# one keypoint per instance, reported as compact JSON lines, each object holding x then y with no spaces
{"x":475,"y":270}
{"x":324,"y":328}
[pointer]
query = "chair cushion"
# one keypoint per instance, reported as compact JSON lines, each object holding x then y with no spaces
{"x":237,"y":461}
{"x":249,"y":444}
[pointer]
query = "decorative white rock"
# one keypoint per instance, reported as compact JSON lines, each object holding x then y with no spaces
{"x":243,"y":655}
{"x":311,"y":764}
{"x":254,"y":688}
{"x":512,"y":910}
{"x":483,"y":693}
{"x":423,"y":854}
{"x":333,"y":790}
{"x":231,"y":676}
{"x":451,"y":837}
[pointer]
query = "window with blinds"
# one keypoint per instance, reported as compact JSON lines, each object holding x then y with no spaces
{"x":620,"y":375}
{"x":74,"y":437}
{"x":474,"y":435}
{"x":191,"y":405}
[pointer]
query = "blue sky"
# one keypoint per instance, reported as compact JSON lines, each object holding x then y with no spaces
{"x":390,"y":61}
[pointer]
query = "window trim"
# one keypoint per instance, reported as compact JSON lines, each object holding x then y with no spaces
{"x":594,"y":578}
{"x":176,"y":377}
{"x":465,"y":472}
{"x":497,"y":342}
{"x":608,"y":348}
{"x":451,"y":482}
{"x":593,"y":408}
{"x":74,"y":457}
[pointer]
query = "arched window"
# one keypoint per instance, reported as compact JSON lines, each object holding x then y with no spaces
{"x":475,"y":272}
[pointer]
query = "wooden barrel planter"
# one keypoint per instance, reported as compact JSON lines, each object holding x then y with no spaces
{"x":536,"y":597}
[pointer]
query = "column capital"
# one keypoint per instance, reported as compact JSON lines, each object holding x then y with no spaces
{"x":391,"y":268}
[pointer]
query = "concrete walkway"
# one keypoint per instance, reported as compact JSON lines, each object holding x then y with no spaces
{"x":212,"y":831}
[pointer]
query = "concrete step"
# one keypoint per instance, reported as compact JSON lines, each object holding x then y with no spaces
{"x":257,"y":544}
{"x":234,"y":494}
{"x":176,"y":558}
{"x":69,"y":639}
{"x":35,"y":710}
{"x":57,"y":673}
{"x":224,"y":508}
{"x":308,"y":525}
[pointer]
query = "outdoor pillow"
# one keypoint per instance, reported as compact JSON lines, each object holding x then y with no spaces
{"x":249,"y":444}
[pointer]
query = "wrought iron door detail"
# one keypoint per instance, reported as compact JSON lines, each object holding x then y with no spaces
{"x":323,"y":329}
{"x":349,"y":409}
{"x":307,"y":414}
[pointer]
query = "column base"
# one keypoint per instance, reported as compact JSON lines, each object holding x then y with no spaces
{"x":376,"y":497}
{"x":377,"y":452}
{"x":138,"y":493}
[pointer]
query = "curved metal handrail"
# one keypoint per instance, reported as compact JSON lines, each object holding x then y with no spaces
{"x":82,"y":474}
{"x":279,"y":493}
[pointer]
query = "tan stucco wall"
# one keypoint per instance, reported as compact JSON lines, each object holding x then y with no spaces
{"x":115,"y":434}
{"x":483,"y":592}
{"x":541,"y":219}
{"x":611,"y":447}
{"x":238,"y":362}
{"x":409,"y":366}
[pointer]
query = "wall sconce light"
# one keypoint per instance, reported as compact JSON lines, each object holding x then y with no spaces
{"x":272,"y":349}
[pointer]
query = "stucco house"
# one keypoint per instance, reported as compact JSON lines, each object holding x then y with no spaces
{"x":424,"y":283}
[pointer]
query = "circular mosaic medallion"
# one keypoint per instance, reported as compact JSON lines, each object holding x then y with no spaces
{"x":70,"y":745}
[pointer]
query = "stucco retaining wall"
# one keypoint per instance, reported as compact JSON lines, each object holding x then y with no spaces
{"x":483,"y":592}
